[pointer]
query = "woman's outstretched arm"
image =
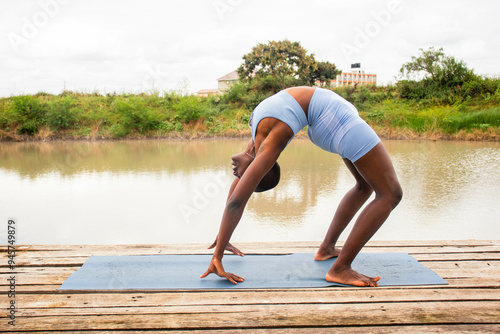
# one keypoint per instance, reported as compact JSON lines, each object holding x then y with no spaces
{"x":250,"y":150}
{"x":235,"y":205}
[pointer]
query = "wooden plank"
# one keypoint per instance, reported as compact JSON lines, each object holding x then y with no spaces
{"x":196,"y":310}
{"x":409,"y":329}
{"x":33,"y":271}
{"x":246,"y":317}
{"x":60,"y":252}
{"x":485,"y":274}
{"x":90,"y":249}
{"x":48,"y":262}
{"x":442,"y":243}
{"x":306,"y":296}
{"x":422,"y":251}
{"x":454,"y":283}
{"x":464,"y":265}
{"x":478,"y":282}
{"x":458,"y":257}
{"x":249,"y":246}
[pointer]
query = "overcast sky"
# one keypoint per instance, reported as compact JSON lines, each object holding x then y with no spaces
{"x":132,"y":46}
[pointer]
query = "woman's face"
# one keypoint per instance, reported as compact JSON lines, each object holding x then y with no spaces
{"x":240,"y":162}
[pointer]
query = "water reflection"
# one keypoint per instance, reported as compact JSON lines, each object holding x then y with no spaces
{"x":70,"y":158}
{"x":174,"y":191}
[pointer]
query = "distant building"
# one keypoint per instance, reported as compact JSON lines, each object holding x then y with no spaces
{"x":207,"y":92}
{"x":227,"y":81}
{"x":356,"y":76}
{"x":223,"y":84}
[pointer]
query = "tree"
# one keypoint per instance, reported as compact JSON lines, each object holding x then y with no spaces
{"x":434,"y":75}
{"x":287,"y":62}
{"x":423,"y":66}
{"x":434,"y":65}
{"x":324,"y":72}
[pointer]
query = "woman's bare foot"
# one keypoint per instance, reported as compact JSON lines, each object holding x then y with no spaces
{"x":351,"y":277}
{"x":324,"y":254}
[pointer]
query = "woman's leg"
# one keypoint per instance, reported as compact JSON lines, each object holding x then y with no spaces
{"x":377,"y":171}
{"x":350,"y":204}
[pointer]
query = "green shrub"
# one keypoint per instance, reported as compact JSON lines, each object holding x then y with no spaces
{"x":236,"y":94}
{"x":83,"y":132}
{"x":245,"y":118}
{"x":7,"y":115}
{"x":377,"y":116}
{"x":118,"y":131}
{"x":136,"y":116}
{"x":167,"y":126}
{"x":189,"y":108}
{"x":267,"y":84}
{"x":62,"y":113}
{"x":214,"y":126}
{"x":30,"y":113}
{"x":420,"y":90}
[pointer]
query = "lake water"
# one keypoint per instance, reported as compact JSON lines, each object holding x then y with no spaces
{"x":155,"y":192}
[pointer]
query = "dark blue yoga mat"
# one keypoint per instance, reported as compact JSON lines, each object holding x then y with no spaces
{"x":182,"y":272}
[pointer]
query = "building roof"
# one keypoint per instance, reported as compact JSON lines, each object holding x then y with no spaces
{"x":230,"y":76}
{"x":207,"y":91}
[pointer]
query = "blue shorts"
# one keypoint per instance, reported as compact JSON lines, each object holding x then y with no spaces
{"x":332,"y":123}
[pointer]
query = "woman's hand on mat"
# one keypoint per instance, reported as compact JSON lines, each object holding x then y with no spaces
{"x":217,"y":268}
{"x":229,"y":248}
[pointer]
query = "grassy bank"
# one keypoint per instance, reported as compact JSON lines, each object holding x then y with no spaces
{"x":396,"y":119}
{"x":76,"y":116}
{"x":80,"y":116}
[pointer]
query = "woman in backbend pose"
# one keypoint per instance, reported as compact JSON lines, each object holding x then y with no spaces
{"x":335,"y":126}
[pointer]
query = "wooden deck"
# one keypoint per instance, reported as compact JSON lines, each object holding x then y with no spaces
{"x":470,"y":303}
